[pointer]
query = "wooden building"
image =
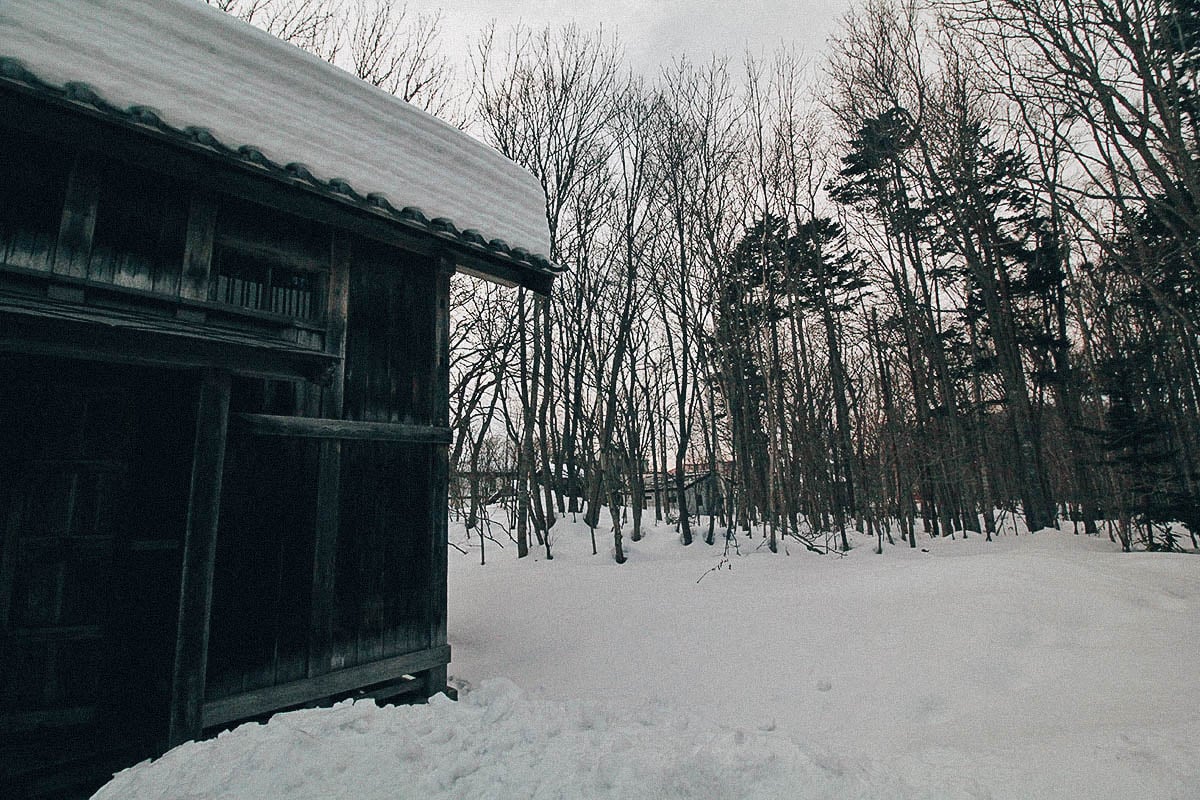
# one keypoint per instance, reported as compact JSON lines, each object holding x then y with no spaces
{"x":705,"y":491}
{"x":224,"y":271}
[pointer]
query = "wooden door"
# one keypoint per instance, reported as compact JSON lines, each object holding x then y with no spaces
{"x":65,"y":456}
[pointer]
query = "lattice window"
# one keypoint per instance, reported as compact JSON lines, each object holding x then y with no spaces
{"x":267,"y":260}
{"x":249,"y":281}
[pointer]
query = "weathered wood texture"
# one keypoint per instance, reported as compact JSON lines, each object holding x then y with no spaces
{"x":384,"y":553}
{"x":113,"y":235}
{"x":199,"y":556}
{"x":270,"y":534}
{"x":360,"y":500}
{"x":251,"y":704}
{"x":66,"y":329}
{"x":439,"y":473}
{"x":261,"y":597}
{"x":270,"y":262}
{"x":31,"y":201}
{"x":78,"y":218}
{"x":198,"y":246}
{"x":388,"y":344}
{"x":141,"y":229}
{"x":163,"y":155}
{"x":329,"y":466}
{"x":341,"y":429}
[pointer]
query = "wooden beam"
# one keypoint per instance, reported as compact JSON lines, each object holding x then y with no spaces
{"x":344,"y":429}
{"x":440,"y":335}
{"x":329,"y":466}
{"x":8,"y":545}
{"x":101,"y":294}
{"x":502,"y":272}
{"x":60,"y":633}
{"x":43,"y":327}
{"x":390,"y":691}
{"x":273,"y":698}
{"x":199,"y":557}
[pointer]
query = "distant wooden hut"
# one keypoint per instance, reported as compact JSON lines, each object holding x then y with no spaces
{"x":224,"y":271}
{"x":705,"y":492}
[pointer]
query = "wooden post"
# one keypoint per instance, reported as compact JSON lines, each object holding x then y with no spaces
{"x":439,"y":472}
{"x":79,"y":219}
{"x":198,"y":247}
{"x":199,"y":556}
{"x":329,"y":469}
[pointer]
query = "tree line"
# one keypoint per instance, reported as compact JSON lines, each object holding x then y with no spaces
{"x":947,"y":271}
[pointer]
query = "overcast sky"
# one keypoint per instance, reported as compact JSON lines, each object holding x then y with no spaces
{"x":653,"y":31}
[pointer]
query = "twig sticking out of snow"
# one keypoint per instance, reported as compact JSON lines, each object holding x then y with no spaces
{"x":724,"y":563}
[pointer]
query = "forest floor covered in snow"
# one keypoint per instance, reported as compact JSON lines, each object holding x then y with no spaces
{"x":1044,"y":665}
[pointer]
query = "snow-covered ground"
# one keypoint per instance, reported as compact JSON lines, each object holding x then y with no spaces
{"x":1037,"y":666}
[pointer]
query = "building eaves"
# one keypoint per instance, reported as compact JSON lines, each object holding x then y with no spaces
{"x":82,"y":97}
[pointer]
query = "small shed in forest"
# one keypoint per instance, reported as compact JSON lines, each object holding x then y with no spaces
{"x":224,"y":274}
{"x":705,"y":492}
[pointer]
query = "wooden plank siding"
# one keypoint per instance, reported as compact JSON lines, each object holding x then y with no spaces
{"x":362,"y":446}
{"x":382,"y":569}
{"x":279,"y":365}
{"x":140,"y":230}
{"x":261,"y":597}
{"x":32,"y":199}
{"x":389,"y":336}
{"x":78,"y":224}
{"x":66,"y":329}
{"x":161,"y":154}
{"x":198,"y":245}
{"x":83,"y":227}
{"x":268,"y":561}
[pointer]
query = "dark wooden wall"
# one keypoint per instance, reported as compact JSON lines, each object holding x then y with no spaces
{"x":78,"y":226}
{"x":94,"y":462}
{"x":31,"y":201}
{"x":383,"y":574}
{"x":389,"y":348}
{"x":328,"y":351}
{"x":264,"y":564}
{"x":382,"y":590}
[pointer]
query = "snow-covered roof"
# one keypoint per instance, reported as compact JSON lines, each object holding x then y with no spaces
{"x":185,"y":66}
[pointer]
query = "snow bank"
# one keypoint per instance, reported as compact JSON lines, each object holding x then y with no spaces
{"x":1045,"y":665}
{"x":498,"y":742}
{"x":1037,"y":666}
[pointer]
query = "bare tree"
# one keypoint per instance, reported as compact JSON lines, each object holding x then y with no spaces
{"x":545,"y":100}
{"x":400,"y":54}
{"x":312,"y":25}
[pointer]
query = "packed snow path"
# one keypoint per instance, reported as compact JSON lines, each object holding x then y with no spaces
{"x":1037,"y":666}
